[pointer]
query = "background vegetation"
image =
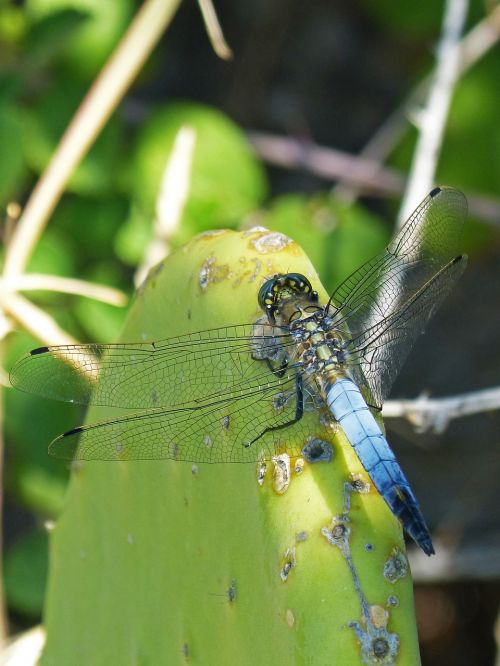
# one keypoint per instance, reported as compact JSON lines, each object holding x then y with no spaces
{"x":315,"y":75}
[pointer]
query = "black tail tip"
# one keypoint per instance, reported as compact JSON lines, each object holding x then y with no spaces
{"x":427,"y":547}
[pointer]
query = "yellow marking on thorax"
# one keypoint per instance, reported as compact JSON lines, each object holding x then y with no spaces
{"x":323,"y":351}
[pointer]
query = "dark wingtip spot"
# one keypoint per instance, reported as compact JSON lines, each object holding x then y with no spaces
{"x":39,"y":350}
{"x":433,"y":193}
{"x":74,"y":431}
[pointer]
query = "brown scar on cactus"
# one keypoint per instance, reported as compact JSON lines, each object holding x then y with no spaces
{"x":396,"y":566}
{"x":288,"y":563}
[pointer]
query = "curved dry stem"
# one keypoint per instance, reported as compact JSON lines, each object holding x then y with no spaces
{"x":432,"y":120}
{"x":214,"y":30}
{"x":39,"y":324}
{"x":41,"y":282}
{"x":476,"y":43}
{"x":99,"y":103}
{"x":435,"y":413}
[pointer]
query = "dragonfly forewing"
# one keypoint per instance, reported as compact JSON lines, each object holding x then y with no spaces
{"x":174,"y":371}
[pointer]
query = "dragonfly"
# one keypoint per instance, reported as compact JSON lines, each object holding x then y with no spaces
{"x":248,"y":392}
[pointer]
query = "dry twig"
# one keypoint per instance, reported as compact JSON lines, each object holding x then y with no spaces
{"x":478,"y":41}
{"x":101,"y":100}
{"x":41,"y":282}
{"x":34,"y":320}
{"x":431,"y":120}
{"x":366,"y":175}
{"x":435,"y":413}
{"x":214,"y":30}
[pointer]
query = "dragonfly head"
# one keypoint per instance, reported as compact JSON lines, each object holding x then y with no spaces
{"x":282,"y":291}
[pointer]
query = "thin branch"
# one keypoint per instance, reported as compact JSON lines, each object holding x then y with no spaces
{"x":39,"y":324}
{"x":473,"y":47}
{"x":328,"y":163}
{"x":44,"y":328}
{"x":214,"y":30}
{"x":172,"y":197}
{"x":432,"y":120}
{"x":40,"y":282}
{"x":436,"y":413}
{"x":484,"y":208}
{"x":368,"y":176}
{"x":24,"y":649}
{"x":5,"y":324}
{"x":99,"y":103}
{"x":479,"y":40}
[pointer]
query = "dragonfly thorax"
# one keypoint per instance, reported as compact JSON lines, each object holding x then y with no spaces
{"x":290,"y":302}
{"x":321,"y":350}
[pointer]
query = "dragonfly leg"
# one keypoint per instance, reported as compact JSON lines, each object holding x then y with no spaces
{"x":280,"y":370}
{"x":299,"y":411}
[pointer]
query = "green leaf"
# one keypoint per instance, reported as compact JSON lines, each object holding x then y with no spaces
{"x":100,"y":321}
{"x":39,"y":489}
{"x":55,"y":254}
{"x":12,"y":164}
{"x":474,"y":131}
{"x":35,"y":480}
{"x":52,"y":33}
{"x":94,"y":40}
{"x":44,"y":125}
{"x":227,"y":181}
{"x":134,"y":236}
{"x":357,"y":237}
{"x":92,"y":225}
{"x":395,"y":17}
{"x":13,"y":24}
{"x":25,"y":574}
{"x":337,"y":236}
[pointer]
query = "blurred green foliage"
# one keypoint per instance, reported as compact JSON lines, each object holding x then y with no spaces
{"x":25,"y":573}
{"x":227,"y":182}
{"x":50,"y":52}
{"x":85,"y":52}
{"x":43,"y":125}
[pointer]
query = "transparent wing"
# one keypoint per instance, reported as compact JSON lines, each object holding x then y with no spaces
{"x":146,"y":375}
{"x":386,"y":284}
{"x":426,"y":243}
{"x":221,"y":431}
{"x":382,"y":349}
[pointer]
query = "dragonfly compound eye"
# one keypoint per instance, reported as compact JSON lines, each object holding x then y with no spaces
{"x":282,"y":287}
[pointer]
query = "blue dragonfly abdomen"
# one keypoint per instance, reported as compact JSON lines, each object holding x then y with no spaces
{"x":349,"y":408}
